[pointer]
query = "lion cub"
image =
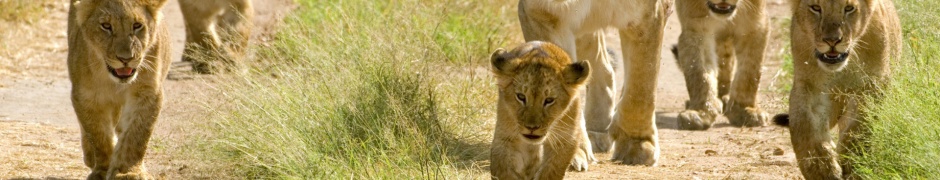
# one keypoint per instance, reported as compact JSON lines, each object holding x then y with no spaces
{"x":842,"y":51}
{"x":720,"y":53}
{"x":539,"y":126}
{"x":117,"y":61}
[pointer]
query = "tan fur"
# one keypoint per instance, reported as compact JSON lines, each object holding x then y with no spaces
{"x":828,"y":94}
{"x":577,"y":27}
{"x":712,"y":41}
{"x":109,"y":107}
{"x":539,"y":97}
{"x":217,"y":33}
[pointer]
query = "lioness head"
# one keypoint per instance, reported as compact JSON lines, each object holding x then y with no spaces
{"x":835,"y":26}
{"x":722,"y":8}
{"x":119,"y":33}
{"x":537,"y":83}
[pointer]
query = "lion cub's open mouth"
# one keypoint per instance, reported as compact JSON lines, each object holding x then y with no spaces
{"x":831,"y":57}
{"x":721,"y":8}
{"x":531,"y":136}
{"x":122,"y":73}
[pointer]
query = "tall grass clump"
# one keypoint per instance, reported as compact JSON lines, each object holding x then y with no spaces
{"x":365,"y":89}
{"x":905,"y":125}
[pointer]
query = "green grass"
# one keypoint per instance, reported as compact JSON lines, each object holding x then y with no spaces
{"x":22,"y":10}
{"x":905,"y":125}
{"x":364,"y":89}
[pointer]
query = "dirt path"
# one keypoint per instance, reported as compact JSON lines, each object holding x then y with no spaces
{"x":39,"y":135}
{"x":722,"y":152}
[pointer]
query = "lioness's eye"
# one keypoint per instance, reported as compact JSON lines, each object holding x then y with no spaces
{"x":520,"y":97}
{"x":815,"y":8}
{"x":849,"y":9}
{"x":106,"y":26}
{"x":549,"y":101}
{"x":137,"y":26}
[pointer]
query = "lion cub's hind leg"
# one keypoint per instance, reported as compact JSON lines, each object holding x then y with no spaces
{"x":217,"y":33}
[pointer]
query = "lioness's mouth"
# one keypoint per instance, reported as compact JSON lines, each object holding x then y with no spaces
{"x":832,"y":57}
{"x":531,"y":136}
{"x":721,"y":8}
{"x":122,"y":73}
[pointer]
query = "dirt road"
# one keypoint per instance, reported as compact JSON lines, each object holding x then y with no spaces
{"x":39,"y":136}
{"x":722,"y":152}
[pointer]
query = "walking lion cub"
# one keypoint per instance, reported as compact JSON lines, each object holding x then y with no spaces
{"x":842,"y":51}
{"x":117,"y":61}
{"x":539,"y":126}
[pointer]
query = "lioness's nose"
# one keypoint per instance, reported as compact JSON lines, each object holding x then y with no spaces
{"x":832,"y":41}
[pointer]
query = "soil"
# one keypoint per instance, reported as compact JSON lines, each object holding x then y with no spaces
{"x":39,"y":135}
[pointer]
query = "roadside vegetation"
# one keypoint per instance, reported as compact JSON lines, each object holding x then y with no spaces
{"x":366,"y":89}
{"x":22,"y":10}
{"x":905,"y":125}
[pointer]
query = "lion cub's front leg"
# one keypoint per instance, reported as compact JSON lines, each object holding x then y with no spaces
{"x":134,"y":130}
{"x":97,"y":133}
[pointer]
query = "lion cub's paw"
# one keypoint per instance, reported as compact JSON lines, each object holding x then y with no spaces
{"x":696,"y":120}
{"x":582,"y":159}
{"x":600,"y":141}
{"x":134,"y":174}
{"x":635,"y":151}
{"x":97,"y":175}
{"x":746,"y":116}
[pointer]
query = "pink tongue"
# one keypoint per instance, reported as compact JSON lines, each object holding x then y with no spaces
{"x":124,"y":71}
{"x":832,"y":54}
{"x":723,"y":6}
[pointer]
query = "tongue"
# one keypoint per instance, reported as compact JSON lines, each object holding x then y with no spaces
{"x":832,"y":54}
{"x":723,"y":6}
{"x":124,"y":71}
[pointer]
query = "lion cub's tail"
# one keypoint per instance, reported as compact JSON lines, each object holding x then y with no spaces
{"x":782,"y":119}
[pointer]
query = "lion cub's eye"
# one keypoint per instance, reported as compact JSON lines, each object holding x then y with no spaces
{"x":815,"y":8}
{"x":849,"y":9}
{"x":137,"y":26}
{"x":106,"y":26}
{"x":520,"y":97}
{"x":549,"y":101}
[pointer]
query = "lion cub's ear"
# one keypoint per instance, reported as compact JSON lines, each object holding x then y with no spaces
{"x":504,"y":63}
{"x":154,"y":7}
{"x":83,"y":9}
{"x":577,"y":73}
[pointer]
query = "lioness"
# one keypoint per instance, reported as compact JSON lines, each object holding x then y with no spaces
{"x":716,"y":34}
{"x":577,"y":27}
{"x":538,"y":121}
{"x":117,"y":60}
{"x":217,"y":33}
{"x":841,"y":50}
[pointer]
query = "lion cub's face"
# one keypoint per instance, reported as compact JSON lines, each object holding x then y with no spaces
{"x":119,"y":33}
{"x":836,"y":26}
{"x":537,"y":83}
{"x":722,"y":8}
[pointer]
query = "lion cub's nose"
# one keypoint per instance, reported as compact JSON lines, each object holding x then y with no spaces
{"x":125,"y":59}
{"x":532,"y":127}
{"x":832,"y":41}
